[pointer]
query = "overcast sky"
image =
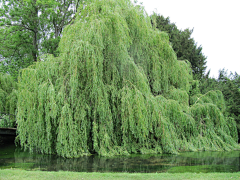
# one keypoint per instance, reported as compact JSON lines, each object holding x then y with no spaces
{"x":216,"y":26}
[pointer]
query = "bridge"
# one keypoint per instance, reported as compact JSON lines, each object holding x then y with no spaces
{"x":5,"y":119}
{"x":8,"y":131}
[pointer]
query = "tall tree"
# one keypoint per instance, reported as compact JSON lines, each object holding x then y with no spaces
{"x":184,"y":46}
{"x":29,"y":28}
{"x":117,"y":88}
{"x":58,"y":15}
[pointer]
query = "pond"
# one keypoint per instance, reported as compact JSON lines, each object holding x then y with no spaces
{"x":13,"y":157}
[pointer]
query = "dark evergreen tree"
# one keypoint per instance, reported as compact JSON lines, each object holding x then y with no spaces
{"x":184,"y":46}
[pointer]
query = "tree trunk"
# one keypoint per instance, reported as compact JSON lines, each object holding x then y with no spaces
{"x":35,"y":31}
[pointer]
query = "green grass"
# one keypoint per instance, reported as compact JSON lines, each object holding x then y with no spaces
{"x":203,"y":169}
{"x":16,"y":174}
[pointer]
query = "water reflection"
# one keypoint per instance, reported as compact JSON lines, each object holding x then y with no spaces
{"x":12,"y":157}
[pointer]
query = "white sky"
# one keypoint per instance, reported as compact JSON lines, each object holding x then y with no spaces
{"x":216,"y":26}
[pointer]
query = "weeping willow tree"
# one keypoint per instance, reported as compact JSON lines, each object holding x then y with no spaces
{"x":8,"y":99}
{"x":117,"y":88}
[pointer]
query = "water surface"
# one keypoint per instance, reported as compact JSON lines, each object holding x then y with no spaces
{"x":13,"y":157}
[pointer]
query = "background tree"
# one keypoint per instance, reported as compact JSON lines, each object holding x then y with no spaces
{"x":29,"y":29}
{"x":8,"y":99}
{"x":229,"y":85}
{"x":184,"y":46}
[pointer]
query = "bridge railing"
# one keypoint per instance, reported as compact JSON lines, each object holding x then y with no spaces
{"x":7,"y":120}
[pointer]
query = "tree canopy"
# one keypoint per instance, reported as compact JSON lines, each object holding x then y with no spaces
{"x":117,"y":88}
{"x":29,"y":29}
{"x":229,"y":85}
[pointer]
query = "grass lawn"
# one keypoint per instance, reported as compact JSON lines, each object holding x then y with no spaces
{"x":15,"y":174}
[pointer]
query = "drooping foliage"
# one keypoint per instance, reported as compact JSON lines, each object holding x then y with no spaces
{"x":229,"y":85}
{"x":116,"y":88}
{"x":8,"y":99}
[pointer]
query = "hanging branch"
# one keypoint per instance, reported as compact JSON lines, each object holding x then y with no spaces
{"x":116,"y":88}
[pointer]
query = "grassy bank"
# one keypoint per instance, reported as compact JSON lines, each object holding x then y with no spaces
{"x":22,"y":174}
